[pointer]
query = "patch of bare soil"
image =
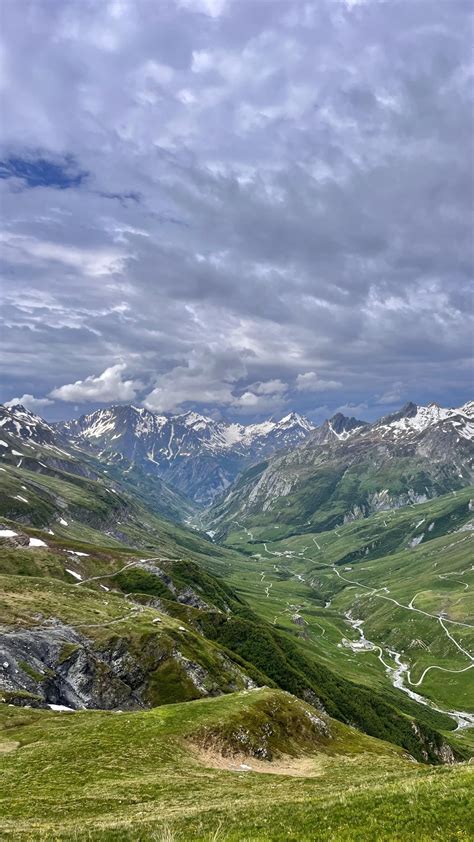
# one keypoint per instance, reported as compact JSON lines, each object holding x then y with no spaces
{"x":298,"y":767}
{"x":8,"y":745}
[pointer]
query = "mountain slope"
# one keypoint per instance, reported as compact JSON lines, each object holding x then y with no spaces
{"x":95,"y":532}
{"x":198,"y":456}
{"x":28,"y":443}
{"x":385,"y":600}
{"x":411,"y":456}
{"x":90,"y":527}
{"x":190,"y":669}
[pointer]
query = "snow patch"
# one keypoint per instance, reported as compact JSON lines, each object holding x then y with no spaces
{"x":37,"y":542}
{"x":76,"y":575}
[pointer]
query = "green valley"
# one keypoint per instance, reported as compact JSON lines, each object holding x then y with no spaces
{"x":272,"y":683}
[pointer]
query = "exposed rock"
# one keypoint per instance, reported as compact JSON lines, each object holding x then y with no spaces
{"x":58,"y":665}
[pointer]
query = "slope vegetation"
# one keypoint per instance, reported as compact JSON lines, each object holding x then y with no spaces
{"x":252,"y":765}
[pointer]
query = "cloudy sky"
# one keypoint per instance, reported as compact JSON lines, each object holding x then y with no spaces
{"x":239,"y":207}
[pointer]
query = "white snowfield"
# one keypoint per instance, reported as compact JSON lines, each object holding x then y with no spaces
{"x":8,"y":533}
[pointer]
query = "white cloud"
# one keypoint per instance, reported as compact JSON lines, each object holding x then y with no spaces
{"x":270,"y":387}
{"x":311,"y":382}
{"x":211,"y":379}
{"x":187,"y":385}
{"x":29,"y":402}
{"x":108,"y":386}
{"x":92,"y":262}
{"x":264,"y":396}
{"x":252,"y":403}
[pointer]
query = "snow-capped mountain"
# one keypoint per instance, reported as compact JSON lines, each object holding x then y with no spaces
{"x":29,"y":443}
{"x":25,"y":425}
{"x":347,"y":469}
{"x":415,"y":453}
{"x":199,"y":456}
{"x":412,"y":420}
{"x":337,"y":428}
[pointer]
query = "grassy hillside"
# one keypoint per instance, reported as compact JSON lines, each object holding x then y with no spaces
{"x":255,"y":765}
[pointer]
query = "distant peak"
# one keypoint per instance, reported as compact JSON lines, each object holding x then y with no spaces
{"x":192,"y":417}
{"x":410,"y":409}
{"x":340,"y":422}
{"x":338,"y":418}
{"x":295,"y":418}
{"x":18,"y":407}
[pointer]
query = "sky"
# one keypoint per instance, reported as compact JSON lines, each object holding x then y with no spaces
{"x":243,"y":208}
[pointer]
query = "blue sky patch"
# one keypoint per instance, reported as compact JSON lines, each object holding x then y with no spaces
{"x":41,"y":172}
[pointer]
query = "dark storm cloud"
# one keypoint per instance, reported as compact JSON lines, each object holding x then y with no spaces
{"x":277,"y":210}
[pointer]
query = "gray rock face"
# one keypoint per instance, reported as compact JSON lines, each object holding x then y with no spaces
{"x":443,"y":752}
{"x":60,"y":666}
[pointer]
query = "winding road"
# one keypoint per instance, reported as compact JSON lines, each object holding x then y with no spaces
{"x":398,"y":671}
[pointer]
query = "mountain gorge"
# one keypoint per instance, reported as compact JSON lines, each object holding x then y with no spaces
{"x":198,"y":456}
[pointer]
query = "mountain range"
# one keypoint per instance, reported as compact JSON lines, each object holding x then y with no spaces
{"x":198,"y":456}
{"x":413,"y":454}
{"x":346,"y":470}
{"x":345,"y":465}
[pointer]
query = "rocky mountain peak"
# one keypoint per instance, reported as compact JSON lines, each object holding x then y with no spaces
{"x":294,"y":419}
{"x":340,"y":423}
{"x":21,"y":422}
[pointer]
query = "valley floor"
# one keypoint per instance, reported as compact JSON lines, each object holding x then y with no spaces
{"x":405,"y":618}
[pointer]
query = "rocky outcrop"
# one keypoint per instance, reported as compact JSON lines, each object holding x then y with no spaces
{"x":271,"y":728}
{"x":58,"y":665}
{"x":432,"y":748}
